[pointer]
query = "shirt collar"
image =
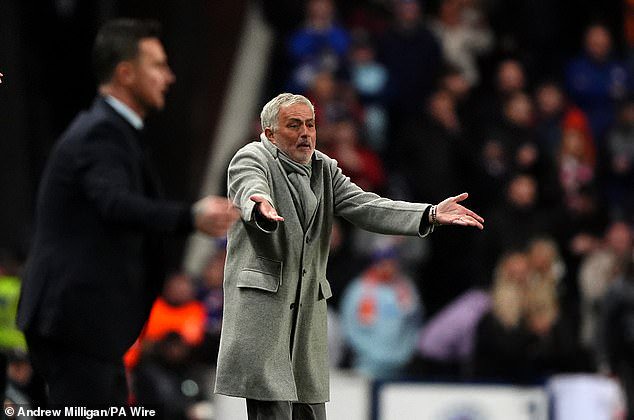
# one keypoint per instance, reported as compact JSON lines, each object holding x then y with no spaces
{"x":125,"y":111}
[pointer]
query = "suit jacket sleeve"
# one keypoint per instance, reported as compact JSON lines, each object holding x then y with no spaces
{"x":374,"y":213}
{"x":107,"y":173}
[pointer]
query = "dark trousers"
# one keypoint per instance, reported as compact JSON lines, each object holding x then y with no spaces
{"x":75,"y":378}
{"x":284,"y":410}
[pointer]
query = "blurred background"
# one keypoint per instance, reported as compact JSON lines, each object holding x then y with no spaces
{"x":525,"y":104}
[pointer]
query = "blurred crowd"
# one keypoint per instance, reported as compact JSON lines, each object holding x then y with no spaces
{"x":418,"y":101}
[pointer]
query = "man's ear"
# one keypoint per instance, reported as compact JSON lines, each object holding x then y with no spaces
{"x":269,"y":134}
{"x":124,"y":73}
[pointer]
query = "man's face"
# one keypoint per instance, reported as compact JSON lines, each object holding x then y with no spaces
{"x":295,"y":135}
{"x":152,"y":75}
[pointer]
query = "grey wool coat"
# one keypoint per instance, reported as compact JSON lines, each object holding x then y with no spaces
{"x":271,"y":273}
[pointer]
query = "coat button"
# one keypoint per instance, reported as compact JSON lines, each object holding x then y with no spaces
{"x":304,"y":272}
{"x":292,"y":306}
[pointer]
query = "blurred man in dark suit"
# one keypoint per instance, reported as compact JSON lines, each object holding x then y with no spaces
{"x":95,"y":265}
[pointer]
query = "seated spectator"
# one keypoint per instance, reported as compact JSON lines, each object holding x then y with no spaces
{"x":369,"y":78}
{"x":578,"y":228}
{"x":319,"y":45}
{"x":176,"y":310}
{"x":436,"y":148}
{"x":501,"y":338}
{"x":452,"y":81}
{"x":547,"y":267}
{"x":518,"y":220}
{"x":412,"y":56}
{"x":619,"y":150}
{"x":510,"y":146}
{"x":360,"y":163}
{"x":463,"y":35}
{"x":525,"y":337}
{"x":432,"y":149}
{"x":510,"y":78}
{"x":166,"y":378}
{"x":595,"y":80}
{"x":554,"y":115}
{"x":381,"y":306}
{"x":617,"y":331}
{"x":552,"y":347}
{"x":598,"y":270}
{"x":334,"y":100}
{"x":576,"y":165}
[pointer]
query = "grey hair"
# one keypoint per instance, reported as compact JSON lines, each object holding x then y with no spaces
{"x":271,"y":111}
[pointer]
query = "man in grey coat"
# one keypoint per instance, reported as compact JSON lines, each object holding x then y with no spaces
{"x":273,"y":348}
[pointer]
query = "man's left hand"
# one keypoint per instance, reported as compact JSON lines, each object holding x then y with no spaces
{"x":449,"y":212}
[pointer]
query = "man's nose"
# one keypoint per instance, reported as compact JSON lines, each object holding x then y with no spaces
{"x":304,"y":131}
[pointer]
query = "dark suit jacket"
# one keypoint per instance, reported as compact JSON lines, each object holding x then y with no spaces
{"x":95,"y":264}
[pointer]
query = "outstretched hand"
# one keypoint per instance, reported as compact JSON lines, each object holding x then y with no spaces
{"x":214,"y":215}
{"x":449,"y":212}
{"x":266,"y":209}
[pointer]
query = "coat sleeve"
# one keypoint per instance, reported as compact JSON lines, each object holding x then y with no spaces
{"x":247,"y":176}
{"x":371,"y":212}
{"x":106,"y":177}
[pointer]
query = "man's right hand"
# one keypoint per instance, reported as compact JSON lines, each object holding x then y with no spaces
{"x":266,"y":209}
{"x":214,"y":215}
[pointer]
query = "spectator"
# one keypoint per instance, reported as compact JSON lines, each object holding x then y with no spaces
{"x":453,"y":81}
{"x":381,"y":306}
{"x":518,"y":220}
{"x":577,"y":227}
{"x":176,"y":310}
{"x":617,"y":331}
{"x":435,"y":149}
{"x":552,"y":347}
{"x":516,"y":136}
{"x":554,"y":114}
{"x":531,"y":30}
{"x":11,"y":338}
{"x":332,"y":103}
{"x":595,"y":80}
{"x":319,"y":45}
{"x":412,"y":56}
{"x":501,"y":339}
{"x":619,"y":150}
{"x":166,"y":378}
{"x":369,"y":79}
{"x":361,"y":164}
{"x":510,"y":78}
{"x":464,"y":35}
{"x":547,"y":266}
{"x":598,"y":270}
